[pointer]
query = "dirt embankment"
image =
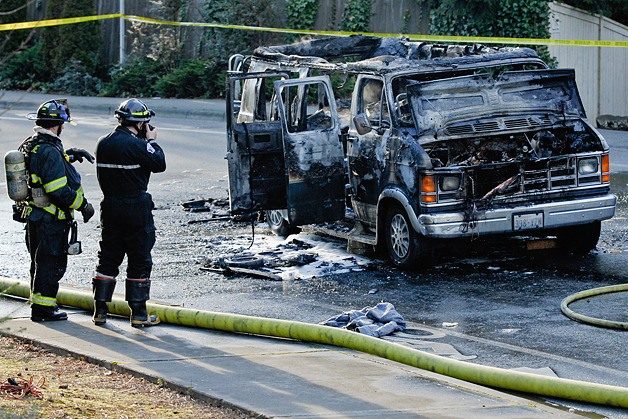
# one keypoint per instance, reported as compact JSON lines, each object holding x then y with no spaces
{"x":64,"y":387}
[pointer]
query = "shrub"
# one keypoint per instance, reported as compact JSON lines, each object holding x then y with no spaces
{"x":135,"y":78}
{"x":67,"y":43}
{"x":76,"y":81}
{"x":25,"y":70}
{"x":195,"y":79}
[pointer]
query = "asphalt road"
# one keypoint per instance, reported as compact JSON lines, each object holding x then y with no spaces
{"x":490,"y":302}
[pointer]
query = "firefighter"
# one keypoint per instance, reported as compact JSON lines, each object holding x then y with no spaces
{"x":125,"y":158}
{"x":55,"y":192}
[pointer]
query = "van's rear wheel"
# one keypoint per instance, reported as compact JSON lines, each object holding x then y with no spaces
{"x":279,"y":225}
{"x":580,"y":239}
{"x":406,"y":248}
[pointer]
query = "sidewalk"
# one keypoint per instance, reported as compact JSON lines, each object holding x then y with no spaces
{"x":271,"y":377}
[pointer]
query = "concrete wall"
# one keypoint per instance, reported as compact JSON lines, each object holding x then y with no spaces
{"x":600,"y":71}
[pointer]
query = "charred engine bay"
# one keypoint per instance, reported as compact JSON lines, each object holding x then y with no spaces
{"x":515,"y":163}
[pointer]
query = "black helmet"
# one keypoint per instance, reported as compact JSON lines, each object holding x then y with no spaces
{"x":134,"y":110}
{"x":56,"y":110}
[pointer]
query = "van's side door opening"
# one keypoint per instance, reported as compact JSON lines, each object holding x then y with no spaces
{"x":284,"y":152}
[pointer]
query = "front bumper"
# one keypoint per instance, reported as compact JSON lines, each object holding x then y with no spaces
{"x":502,"y":220}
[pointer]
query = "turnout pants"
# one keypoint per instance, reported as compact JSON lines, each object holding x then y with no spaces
{"x":127,"y":228}
{"x":47,"y":243}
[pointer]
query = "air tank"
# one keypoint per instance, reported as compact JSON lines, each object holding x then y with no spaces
{"x":17,"y":178}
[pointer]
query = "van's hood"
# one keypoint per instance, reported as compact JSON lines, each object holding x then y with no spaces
{"x":480,"y":105}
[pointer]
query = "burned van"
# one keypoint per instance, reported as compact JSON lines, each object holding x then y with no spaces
{"x":411,"y":143}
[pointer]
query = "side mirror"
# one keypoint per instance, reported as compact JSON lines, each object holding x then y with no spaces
{"x":362,"y":124}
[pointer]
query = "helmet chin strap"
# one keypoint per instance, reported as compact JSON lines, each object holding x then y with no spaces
{"x":135,"y":128}
{"x":138,"y":128}
{"x":57,"y":129}
{"x":141,"y":129}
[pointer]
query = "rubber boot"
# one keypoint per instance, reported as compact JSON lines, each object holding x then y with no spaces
{"x":100,"y":313}
{"x":41,"y":313}
{"x":140,"y":316}
{"x":103,"y":287}
{"x":137,"y":293}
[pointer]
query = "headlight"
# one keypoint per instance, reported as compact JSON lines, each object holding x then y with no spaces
{"x":587,"y":166}
{"x":449,"y":183}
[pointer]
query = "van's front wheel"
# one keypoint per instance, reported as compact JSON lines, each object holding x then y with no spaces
{"x":406,"y":248}
{"x":279,"y":225}
{"x":580,"y":239}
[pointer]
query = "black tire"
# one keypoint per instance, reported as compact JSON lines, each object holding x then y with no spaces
{"x":580,"y":239}
{"x":279,"y":225}
{"x":406,"y":248}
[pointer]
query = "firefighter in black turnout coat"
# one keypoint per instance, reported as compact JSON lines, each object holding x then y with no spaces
{"x":55,"y":192}
{"x":125,"y":158}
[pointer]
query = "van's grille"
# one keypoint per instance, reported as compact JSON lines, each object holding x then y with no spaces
{"x":549,"y":174}
{"x":525,"y":177}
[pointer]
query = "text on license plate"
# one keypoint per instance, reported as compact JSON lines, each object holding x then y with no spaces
{"x":527,"y":221}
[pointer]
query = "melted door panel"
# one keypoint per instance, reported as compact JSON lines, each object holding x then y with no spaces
{"x":257,"y":173}
{"x":313,"y":152}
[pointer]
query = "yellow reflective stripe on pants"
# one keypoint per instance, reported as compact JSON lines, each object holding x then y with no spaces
{"x":37,"y":298}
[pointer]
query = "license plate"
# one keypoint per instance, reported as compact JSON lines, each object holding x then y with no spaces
{"x":527,"y":221}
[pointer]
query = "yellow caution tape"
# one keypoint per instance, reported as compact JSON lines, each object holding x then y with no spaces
{"x":56,"y":22}
{"x":412,"y":37}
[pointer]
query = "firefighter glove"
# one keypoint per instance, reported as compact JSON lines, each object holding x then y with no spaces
{"x":87,"y":211}
{"x":77,"y":154}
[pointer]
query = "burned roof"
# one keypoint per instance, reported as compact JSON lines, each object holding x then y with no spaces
{"x":355,"y":54}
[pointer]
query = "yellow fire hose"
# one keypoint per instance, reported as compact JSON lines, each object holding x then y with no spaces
{"x":479,"y":374}
{"x":564,"y":307}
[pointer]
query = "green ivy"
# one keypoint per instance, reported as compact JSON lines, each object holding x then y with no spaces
{"x":357,"y":16}
{"x":406,"y":21}
{"x":497,"y":18}
{"x":333,"y":12}
{"x":221,"y":43}
{"x":302,"y":14}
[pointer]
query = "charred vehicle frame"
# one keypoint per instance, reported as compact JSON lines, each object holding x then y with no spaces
{"x":434,"y":142}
